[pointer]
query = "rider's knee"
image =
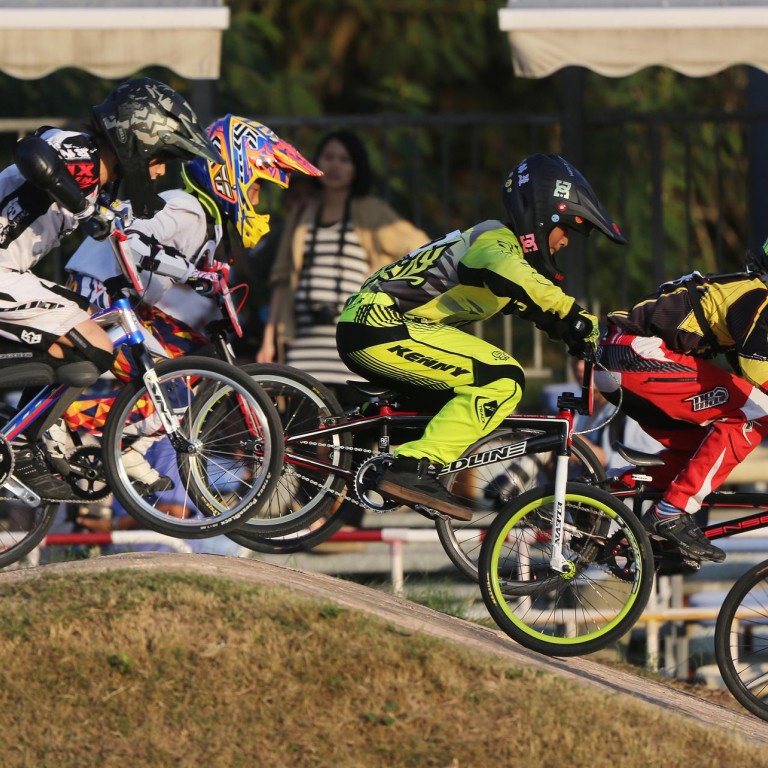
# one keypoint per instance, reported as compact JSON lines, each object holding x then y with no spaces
{"x":506,"y":378}
{"x":83,"y":362}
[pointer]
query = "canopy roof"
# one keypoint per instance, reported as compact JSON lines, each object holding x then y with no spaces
{"x":112,"y":38}
{"x":619,"y":37}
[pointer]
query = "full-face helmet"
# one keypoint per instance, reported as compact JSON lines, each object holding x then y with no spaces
{"x":251,"y":152}
{"x":144,"y":119}
{"x":546,"y":191}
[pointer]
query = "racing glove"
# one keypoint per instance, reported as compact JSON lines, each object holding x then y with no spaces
{"x":206,"y":283}
{"x":582,"y":333}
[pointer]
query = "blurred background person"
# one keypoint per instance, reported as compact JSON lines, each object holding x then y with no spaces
{"x":329,"y":247}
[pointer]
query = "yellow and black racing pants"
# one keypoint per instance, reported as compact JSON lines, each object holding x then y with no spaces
{"x":378,"y":342}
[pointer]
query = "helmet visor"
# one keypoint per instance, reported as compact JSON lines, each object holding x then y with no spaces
{"x":197,"y":144}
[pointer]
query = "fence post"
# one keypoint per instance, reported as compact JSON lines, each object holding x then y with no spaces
{"x":396,"y":553}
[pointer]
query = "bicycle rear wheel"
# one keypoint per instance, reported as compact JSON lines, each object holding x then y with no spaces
{"x":596,"y":601}
{"x":488,"y":488}
{"x":307,"y":500}
{"x":741,"y":640}
{"x":228,"y":464}
{"x":22,"y":528}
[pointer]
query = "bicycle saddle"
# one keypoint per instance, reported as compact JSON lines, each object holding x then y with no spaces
{"x":371,"y":389}
{"x":20,"y":375}
{"x":637,"y":458}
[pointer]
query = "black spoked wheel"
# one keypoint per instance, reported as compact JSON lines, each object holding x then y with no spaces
{"x":741,"y":640}
{"x":308,"y":497}
{"x":22,"y":528}
{"x":583,"y":605}
{"x":488,"y":488}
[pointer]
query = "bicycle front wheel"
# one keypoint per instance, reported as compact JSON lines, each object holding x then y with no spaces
{"x":605,"y":586}
{"x":487,"y":488}
{"x":221,"y":465}
{"x":304,"y":507}
{"x":741,"y":640}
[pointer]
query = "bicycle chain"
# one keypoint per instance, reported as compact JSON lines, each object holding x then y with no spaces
{"x":351,"y":498}
{"x":342,"y":493}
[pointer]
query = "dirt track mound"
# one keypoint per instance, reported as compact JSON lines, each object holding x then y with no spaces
{"x":418,"y":618}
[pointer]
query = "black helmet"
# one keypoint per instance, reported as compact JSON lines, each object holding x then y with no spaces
{"x":546,"y":191}
{"x":143,"y":119}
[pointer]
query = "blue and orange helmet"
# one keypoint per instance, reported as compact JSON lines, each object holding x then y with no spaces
{"x":251,"y":153}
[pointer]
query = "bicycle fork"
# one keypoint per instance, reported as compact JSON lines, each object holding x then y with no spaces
{"x":556,"y":560}
{"x":163,"y":410}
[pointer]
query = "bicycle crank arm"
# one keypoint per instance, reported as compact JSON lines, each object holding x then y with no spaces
{"x":22,"y":493}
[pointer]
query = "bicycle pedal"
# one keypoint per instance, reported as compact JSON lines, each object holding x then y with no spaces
{"x":430,"y":513}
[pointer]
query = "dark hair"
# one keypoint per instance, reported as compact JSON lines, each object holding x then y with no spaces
{"x":361,"y":181}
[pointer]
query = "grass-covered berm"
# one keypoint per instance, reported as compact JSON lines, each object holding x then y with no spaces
{"x":161,"y":669}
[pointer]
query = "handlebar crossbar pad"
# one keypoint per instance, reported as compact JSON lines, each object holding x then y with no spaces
{"x":42,"y":166}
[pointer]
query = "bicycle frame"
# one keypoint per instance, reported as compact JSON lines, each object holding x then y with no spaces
{"x":715,"y":500}
{"x":554,"y":434}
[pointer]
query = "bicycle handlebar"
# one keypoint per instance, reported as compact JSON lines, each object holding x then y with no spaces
{"x":123,"y":216}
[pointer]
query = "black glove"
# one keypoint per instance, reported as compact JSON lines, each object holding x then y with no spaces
{"x":97,"y":222}
{"x":586,"y":350}
{"x":582,"y":333}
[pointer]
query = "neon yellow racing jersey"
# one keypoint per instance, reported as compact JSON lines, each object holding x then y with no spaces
{"x":469,"y":276}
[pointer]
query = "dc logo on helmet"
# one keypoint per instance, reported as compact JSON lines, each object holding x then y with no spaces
{"x":562,"y":189}
{"x":528,"y":242}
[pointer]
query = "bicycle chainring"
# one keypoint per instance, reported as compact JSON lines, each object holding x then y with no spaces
{"x":617,"y":557}
{"x":86,"y":474}
{"x":367,"y":479}
{"x":6,"y":460}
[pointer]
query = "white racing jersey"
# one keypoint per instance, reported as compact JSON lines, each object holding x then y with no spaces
{"x":175,"y":239}
{"x":31,"y":223}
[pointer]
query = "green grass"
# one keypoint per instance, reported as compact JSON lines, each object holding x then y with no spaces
{"x":134,"y":669}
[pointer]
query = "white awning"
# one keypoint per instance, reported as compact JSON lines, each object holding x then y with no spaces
{"x":615,"y":41}
{"x":112,"y":42}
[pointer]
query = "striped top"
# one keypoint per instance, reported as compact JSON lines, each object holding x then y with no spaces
{"x":329,"y":276}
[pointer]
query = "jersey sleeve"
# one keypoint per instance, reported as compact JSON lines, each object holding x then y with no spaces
{"x":173,"y":240}
{"x":496,"y":260}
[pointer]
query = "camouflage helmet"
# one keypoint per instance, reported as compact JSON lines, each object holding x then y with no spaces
{"x":143,"y":119}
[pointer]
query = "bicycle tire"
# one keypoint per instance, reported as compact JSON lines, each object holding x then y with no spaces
{"x":22,"y":528}
{"x":591,"y":606}
{"x":303,"y":496}
{"x":741,"y":640}
{"x":235,"y":454}
{"x":486,"y":489}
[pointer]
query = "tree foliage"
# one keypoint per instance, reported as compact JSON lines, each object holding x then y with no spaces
{"x":404,"y":73}
{"x":342,"y":56}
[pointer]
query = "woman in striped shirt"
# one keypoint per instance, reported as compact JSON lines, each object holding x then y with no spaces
{"x":328,"y":249}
